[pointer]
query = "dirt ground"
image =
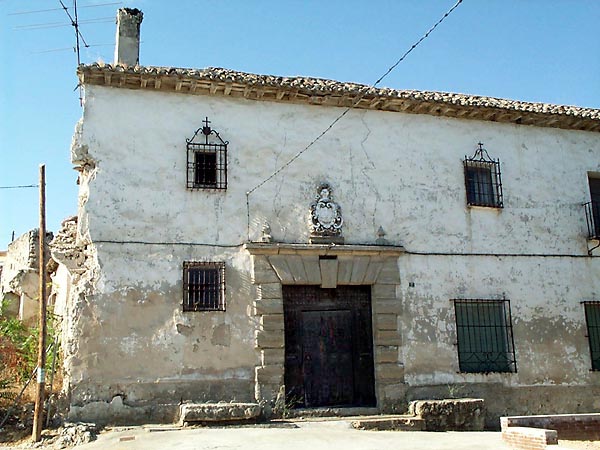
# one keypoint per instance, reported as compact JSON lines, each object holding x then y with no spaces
{"x":580,"y":445}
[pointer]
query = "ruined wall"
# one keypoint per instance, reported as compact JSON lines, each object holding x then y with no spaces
{"x":138,"y":223}
{"x":19,"y":287}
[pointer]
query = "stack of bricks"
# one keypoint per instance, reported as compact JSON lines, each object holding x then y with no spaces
{"x":529,"y":438}
{"x":533,"y":432}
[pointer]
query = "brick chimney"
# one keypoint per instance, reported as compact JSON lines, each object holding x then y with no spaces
{"x":127,"y":48}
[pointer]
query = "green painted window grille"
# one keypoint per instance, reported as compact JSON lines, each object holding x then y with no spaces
{"x":204,"y":286}
{"x":592,"y":319}
{"x":484,"y":336}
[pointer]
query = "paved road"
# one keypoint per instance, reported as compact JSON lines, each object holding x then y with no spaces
{"x":295,"y":436}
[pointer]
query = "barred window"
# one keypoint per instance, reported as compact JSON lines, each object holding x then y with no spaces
{"x":592,"y":320}
{"x":484,"y":336}
{"x":206,"y":159}
{"x":204,"y":286}
{"x":592,"y":208}
{"x":483,"y":179}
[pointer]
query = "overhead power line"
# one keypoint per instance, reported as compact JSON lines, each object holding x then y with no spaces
{"x":24,"y":186}
{"x":43,"y":26}
{"x":18,"y":13}
{"x":341,"y":116}
{"x":356,"y":101}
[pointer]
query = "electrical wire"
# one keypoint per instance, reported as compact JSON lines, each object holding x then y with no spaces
{"x":333,"y":246}
{"x":341,"y":116}
{"x":25,"y":186}
{"x":18,"y":13}
{"x":356,"y":101}
{"x":199,"y":244}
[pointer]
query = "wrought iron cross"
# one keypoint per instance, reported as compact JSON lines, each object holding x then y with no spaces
{"x":206,"y":128}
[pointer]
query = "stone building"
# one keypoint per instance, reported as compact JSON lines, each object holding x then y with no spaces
{"x":19,"y":281}
{"x":428,"y":245}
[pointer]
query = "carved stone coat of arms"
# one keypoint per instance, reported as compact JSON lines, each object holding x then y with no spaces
{"x":325,"y":214}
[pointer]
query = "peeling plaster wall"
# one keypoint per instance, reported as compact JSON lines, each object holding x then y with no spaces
{"x":403,"y":172}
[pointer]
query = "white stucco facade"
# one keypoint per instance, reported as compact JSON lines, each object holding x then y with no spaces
{"x":128,"y":335}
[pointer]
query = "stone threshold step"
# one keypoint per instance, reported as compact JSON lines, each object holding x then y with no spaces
{"x":389,"y":423}
{"x":218,"y":412}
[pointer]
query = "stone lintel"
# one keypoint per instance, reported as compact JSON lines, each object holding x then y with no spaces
{"x":282,"y":269}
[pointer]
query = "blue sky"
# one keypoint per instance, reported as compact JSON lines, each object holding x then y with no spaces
{"x":534,"y":50}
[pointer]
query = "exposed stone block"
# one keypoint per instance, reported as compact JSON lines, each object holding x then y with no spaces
{"x":219,"y":412}
{"x":381,"y":291}
{"x":392,"y":392}
{"x":269,"y":290}
{"x":264,"y":276}
{"x":269,"y":374}
{"x":386,"y":321}
{"x":272,"y":322}
{"x":312,"y":269}
{"x":389,"y":273}
{"x":329,"y":273}
{"x":260,"y":263}
{"x":269,"y":339}
{"x":271,"y":356}
{"x":398,"y":423}
{"x":390,"y":371}
{"x":386,"y":354}
{"x":359,"y":269}
{"x":296,"y":267}
{"x":372,"y":273}
{"x":461,"y":414}
{"x":388,"y":338}
{"x":344,"y":270}
{"x":388,"y":306}
{"x":279,"y":263}
{"x":268,"y":306}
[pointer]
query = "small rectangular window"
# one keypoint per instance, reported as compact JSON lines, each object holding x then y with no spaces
{"x":484,"y":336}
{"x":204,"y":286}
{"x":206,"y":159}
{"x":483,"y":180}
{"x":205,"y":170}
{"x":592,"y":320}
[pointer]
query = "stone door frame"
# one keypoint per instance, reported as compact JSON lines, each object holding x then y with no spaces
{"x":274,"y":265}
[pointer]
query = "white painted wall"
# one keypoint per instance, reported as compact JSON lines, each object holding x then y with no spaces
{"x":400,"y":171}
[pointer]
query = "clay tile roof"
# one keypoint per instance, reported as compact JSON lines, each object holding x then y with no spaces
{"x":318,"y":91}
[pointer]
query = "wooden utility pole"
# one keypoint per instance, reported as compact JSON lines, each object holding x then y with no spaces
{"x":41,"y":382}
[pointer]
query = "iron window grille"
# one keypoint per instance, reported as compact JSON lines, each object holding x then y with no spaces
{"x":203,"y":286}
{"x":206,"y":159}
{"x":484,"y":336}
{"x":483,"y":180}
{"x":592,"y":209}
{"x":592,"y":320}
{"x":592,"y":219}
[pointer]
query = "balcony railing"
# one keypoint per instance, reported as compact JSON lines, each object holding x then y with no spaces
{"x":592,"y":218}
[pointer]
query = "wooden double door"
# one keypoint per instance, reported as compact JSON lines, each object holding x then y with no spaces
{"x":328,"y":346}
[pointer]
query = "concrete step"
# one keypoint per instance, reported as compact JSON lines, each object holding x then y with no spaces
{"x":389,"y":423}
